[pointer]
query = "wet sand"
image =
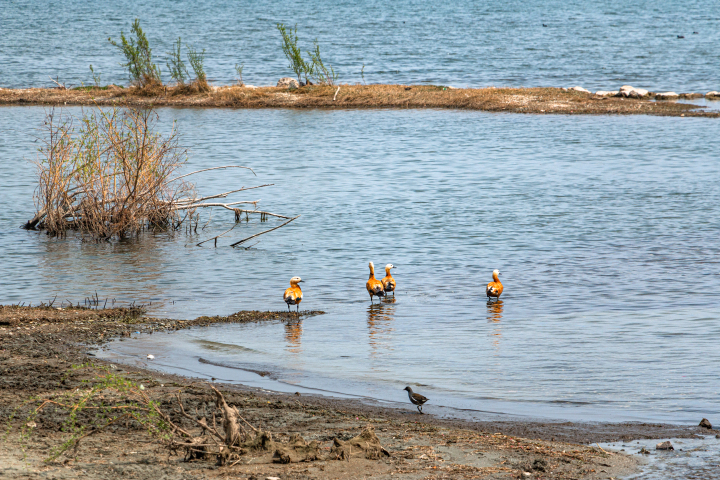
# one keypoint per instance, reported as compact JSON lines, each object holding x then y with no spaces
{"x":38,"y":347}
{"x":515,"y":100}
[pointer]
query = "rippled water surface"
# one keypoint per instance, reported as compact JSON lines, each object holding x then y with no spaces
{"x":605,"y":230}
{"x":599,"y":45}
{"x":697,"y":458}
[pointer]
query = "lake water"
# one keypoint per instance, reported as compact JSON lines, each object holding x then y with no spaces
{"x":605,"y":230}
{"x":502,"y":43}
{"x":692,"y":458}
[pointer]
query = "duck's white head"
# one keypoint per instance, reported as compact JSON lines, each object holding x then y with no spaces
{"x":389,"y":266}
{"x":496,"y":272}
{"x":295,"y":280}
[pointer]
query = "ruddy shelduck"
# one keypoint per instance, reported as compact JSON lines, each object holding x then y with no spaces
{"x":494,"y":288}
{"x":293,"y":295}
{"x":373,"y":285}
{"x":388,"y":282}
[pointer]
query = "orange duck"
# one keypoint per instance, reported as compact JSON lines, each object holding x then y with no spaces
{"x":388,"y":282}
{"x":373,"y":285}
{"x":494,"y":288}
{"x":293,"y":295}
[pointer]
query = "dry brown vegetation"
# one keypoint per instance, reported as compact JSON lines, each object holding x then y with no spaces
{"x":110,"y":174}
{"x":517,"y":100}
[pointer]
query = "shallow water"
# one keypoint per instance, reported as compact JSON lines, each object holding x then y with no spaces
{"x":596,"y":45}
{"x":692,"y":458}
{"x":604,"y":228}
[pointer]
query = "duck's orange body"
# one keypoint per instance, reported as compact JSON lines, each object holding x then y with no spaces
{"x":494,"y":288}
{"x":293,"y":295}
{"x":373,"y":285}
{"x":388,"y":282}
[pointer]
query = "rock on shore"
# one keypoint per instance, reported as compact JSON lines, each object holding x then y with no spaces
{"x":632,"y":92}
{"x":607,"y":93}
{"x":667,"y":96}
{"x":287,"y":82}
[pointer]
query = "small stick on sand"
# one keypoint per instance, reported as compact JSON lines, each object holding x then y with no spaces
{"x":336,"y":92}
{"x":62,"y":87}
{"x":604,"y":451}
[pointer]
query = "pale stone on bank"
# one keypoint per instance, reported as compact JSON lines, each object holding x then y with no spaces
{"x":287,"y":82}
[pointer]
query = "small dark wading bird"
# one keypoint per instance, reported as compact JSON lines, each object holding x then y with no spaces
{"x":494,"y":288}
{"x":293,"y":295}
{"x":373,"y":285}
{"x":388,"y":282}
{"x":416,"y":399}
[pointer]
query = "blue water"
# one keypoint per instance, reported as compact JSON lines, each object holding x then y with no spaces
{"x":502,"y":43}
{"x":693,"y":458}
{"x":604,"y":228}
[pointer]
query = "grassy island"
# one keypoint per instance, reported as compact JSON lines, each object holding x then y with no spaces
{"x":515,"y":100}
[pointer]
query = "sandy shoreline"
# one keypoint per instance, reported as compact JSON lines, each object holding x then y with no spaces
{"x":515,"y":100}
{"x":38,"y":346}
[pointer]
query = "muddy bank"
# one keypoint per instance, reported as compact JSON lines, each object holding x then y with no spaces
{"x":38,"y":347}
{"x":516,"y":100}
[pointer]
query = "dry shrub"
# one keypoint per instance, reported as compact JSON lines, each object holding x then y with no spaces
{"x":148,"y":88}
{"x":108,"y":174}
{"x":192,"y":88}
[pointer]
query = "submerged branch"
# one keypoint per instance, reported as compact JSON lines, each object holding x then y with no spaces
{"x":217,"y":236}
{"x":262,"y":233}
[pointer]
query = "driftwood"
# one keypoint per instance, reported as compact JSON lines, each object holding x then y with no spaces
{"x":366,"y":445}
{"x":60,"y":85}
{"x":226,"y":437}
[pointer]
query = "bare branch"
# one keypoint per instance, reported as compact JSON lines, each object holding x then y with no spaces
{"x":217,"y":236}
{"x":262,"y":233}
{"x":203,"y":205}
{"x":213,"y":168}
{"x":221,"y":195}
{"x":202,"y":424}
{"x":62,"y":87}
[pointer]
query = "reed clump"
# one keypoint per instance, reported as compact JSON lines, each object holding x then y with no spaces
{"x":314,"y":68}
{"x":179,"y":72}
{"x":108,"y":174}
{"x":138,"y":55}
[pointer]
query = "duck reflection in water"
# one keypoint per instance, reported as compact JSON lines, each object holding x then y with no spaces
{"x":380,"y":318}
{"x":293,"y":336}
{"x":494,"y":315}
